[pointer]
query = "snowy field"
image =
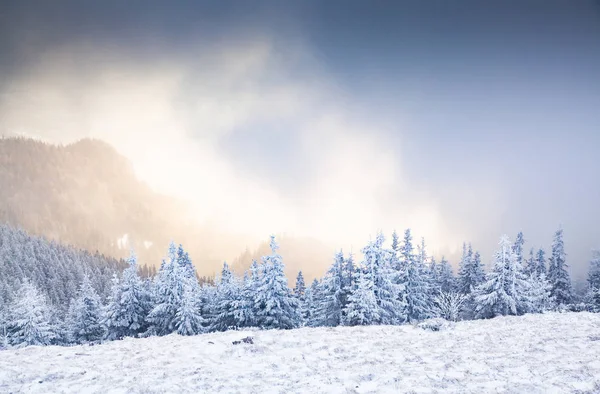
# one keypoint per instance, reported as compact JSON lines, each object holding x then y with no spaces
{"x":551,"y":353}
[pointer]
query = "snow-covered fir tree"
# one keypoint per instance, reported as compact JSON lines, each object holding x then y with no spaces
{"x":300,"y":286}
{"x":531,"y":264}
{"x":188,"y":318}
{"x":541,"y":262}
{"x":446,"y":281}
{"x":594,"y":281}
{"x":434,"y":273}
{"x":332,"y":300}
{"x":167,"y":295}
{"x":386,"y":283}
{"x":505,"y":290}
{"x":539,"y":294}
{"x":362,"y":308}
{"x":276,"y":305}
{"x":227,"y":303}
{"x":128,"y":305}
{"x":308,"y":307}
{"x":30,"y":319}
{"x":84,"y":321}
{"x":414,"y":285}
{"x":557,"y":271}
{"x":471,"y":273}
{"x":518,"y":249}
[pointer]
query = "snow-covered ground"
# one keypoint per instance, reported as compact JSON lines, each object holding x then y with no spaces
{"x":551,"y":353}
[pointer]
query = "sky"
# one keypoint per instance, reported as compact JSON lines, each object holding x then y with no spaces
{"x":335,"y":120}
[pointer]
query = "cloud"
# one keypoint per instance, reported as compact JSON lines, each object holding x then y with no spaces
{"x":169,"y":116}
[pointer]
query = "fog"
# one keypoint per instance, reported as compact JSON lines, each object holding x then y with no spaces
{"x":271,"y":129}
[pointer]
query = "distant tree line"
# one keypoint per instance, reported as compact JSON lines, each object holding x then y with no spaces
{"x":395,"y":284}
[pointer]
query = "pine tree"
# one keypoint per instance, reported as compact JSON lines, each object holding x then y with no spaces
{"x":85,"y":315}
{"x":377,"y":266}
{"x":538,"y":295}
{"x":415,"y":289}
{"x":277,"y":307}
{"x":188,"y":318}
{"x":30,"y":318}
{"x":362,"y":308}
{"x":227,"y":303}
{"x":531,"y":267}
{"x":308,"y":308}
{"x":446,"y":279}
{"x":518,"y":248}
{"x":129,"y":304}
{"x":434,"y":274}
{"x":594,"y":281}
{"x":300,"y":287}
{"x":168,"y":292}
{"x":541,"y":262}
{"x":329,"y":306}
{"x":557,"y":272}
{"x":395,"y":241}
{"x":471,"y":273}
{"x":505,"y":290}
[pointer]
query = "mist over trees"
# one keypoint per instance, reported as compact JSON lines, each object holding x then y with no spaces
{"x":53,"y":294}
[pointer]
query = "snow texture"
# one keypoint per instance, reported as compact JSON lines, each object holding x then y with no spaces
{"x":545,"y":353}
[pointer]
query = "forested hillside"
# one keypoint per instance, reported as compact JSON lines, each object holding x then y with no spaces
{"x":86,"y":194}
{"x":55,"y":269}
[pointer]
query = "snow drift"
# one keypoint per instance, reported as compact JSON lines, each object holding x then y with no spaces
{"x":551,"y":352}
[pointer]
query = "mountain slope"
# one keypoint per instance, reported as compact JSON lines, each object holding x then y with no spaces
{"x":554,"y":352}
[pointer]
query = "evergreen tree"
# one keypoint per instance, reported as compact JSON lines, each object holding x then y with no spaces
{"x":300,"y":287}
{"x":168,"y":292}
{"x":446,"y":279}
{"x":307,"y":309}
{"x":505,"y":290}
{"x":329,"y":306}
{"x":538,"y":294}
{"x":395,"y":241}
{"x":557,"y":272}
{"x":594,"y":281}
{"x":30,"y":318}
{"x":471,"y":273}
{"x":362,"y":308}
{"x":377,"y":266}
{"x":276,"y":306}
{"x":85,"y":314}
{"x":541,"y":262}
{"x":531,"y":267}
{"x":415,"y":289}
{"x":228,"y":300}
{"x":188,"y":318}
{"x":129,"y":304}
{"x":518,"y":249}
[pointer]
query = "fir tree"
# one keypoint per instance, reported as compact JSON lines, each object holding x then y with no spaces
{"x":594,"y":281}
{"x":276,"y":306}
{"x":331,"y":302}
{"x":531,"y":264}
{"x":129,"y":304}
{"x":377,"y":266}
{"x":30,"y":318}
{"x":85,"y":315}
{"x":227,"y":302}
{"x":471,"y":273}
{"x":557,"y":272}
{"x":300,"y":287}
{"x":505,"y":290}
{"x":415,"y":289}
{"x":518,"y":248}
{"x":541,"y":262}
{"x":446,"y":279}
{"x":188,"y":318}
{"x":168,"y":291}
{"x":362,"y":308}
